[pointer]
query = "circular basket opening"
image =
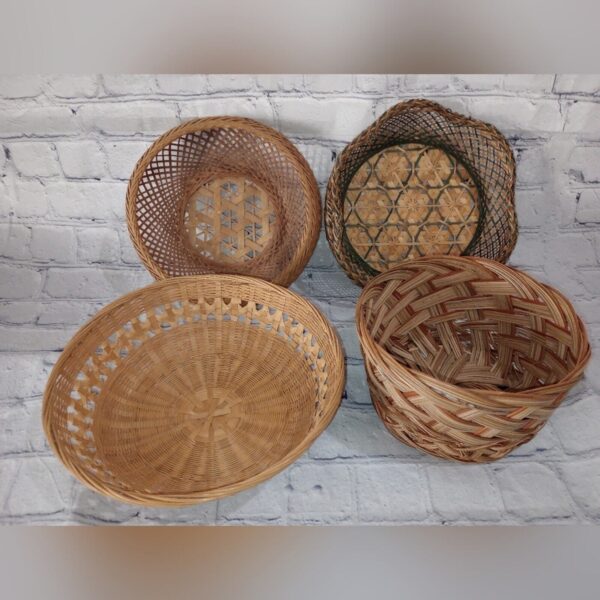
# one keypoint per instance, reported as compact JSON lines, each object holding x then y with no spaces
{"x":466,"y":357}
{"x":192,"y":389}
{"x":224,"y":195}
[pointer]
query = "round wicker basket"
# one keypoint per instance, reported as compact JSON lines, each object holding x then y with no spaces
{"x":224,"y":195}
{"x":422,"y":180}
{"x":466,"y":357}
{"x":193,"y":388}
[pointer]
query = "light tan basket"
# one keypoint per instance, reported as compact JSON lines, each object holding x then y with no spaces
{"x":467,"y":358}
{"x":193,"y":388}
{"x":422,"y":180}
{"x":224,"y":195}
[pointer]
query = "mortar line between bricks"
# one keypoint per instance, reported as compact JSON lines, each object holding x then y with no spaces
{"x":564,"y":112}
{"x":432,"y":461}
{"x":157,"y":97}
{"x":354,"y":492}
{"x":11,"y":487}
{"x":30,"y":517}
{"x":424,"y":479}
{"x":43,"y":326}
{"x":61,"y":178}
{"x":50,"y":518}
{"x":102,"y":266}
{"x":496,"y":486}
{"x":537,"y":139}
{"x":14,"y":402}
{"x":288,"y":488}
{"x":576,"y":509}
{"x":395,"y":83}
{"x":99,"y":520}
{"x":74,"y":223}
{"x":132,"y":268}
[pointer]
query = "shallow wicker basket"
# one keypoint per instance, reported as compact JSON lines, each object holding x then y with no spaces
{"x":467,"y":358}
{"x":193,"y":388}
{"x":422,"y":180}
{"x":224,"y":195}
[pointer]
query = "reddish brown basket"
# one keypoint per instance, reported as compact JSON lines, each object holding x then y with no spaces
{"x":466,"y":357}
{"x":422,"y":180}
{"x":224,"y":195}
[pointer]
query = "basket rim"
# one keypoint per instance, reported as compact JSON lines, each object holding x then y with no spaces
{"x":309,"y":186}
{"x":206,"y":495}
{"x":367,"y":339}
{"x":334,"y":199}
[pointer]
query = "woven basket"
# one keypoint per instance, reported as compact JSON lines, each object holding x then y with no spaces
{"x":467,"y":358}
{"x":224,"y":195}
{"x":193,"y":388}
{"x":420,"y":181}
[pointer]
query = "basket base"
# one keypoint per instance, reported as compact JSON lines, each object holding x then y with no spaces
{"x":202,"y":407}
{"x":229,"y":220}
{"x":410,"y":431}
{"x":407,"y":201}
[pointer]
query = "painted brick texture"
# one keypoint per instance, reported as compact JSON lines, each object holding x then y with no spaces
{"x":69,"y":144}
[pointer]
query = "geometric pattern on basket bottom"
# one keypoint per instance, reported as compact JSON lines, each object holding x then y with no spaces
{"x":407,"y":201}
{"x":229,"y":219}
{"x":187,"y":397}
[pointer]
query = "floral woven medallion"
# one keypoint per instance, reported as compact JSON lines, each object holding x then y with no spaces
{"x":407,"y":201}
{"x":229,"y":219}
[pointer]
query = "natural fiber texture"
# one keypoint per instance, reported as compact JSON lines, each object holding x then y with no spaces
{"x":224,"y":195}
{"x":407,"y":201}
{"x":193,"y":388}
{"x":421,"y":180}
{"x":467,"y":358}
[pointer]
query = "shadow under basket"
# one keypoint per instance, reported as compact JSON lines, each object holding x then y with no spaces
{"x":192,"y":389}
{"x":467,"y":358}
{"x":422,"y":180}
{"x":224,"y":195}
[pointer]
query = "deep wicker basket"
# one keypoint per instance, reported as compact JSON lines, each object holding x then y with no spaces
{"x":193,"y":388}
{"x":422,"y":180}
{"x":466,"y":357}
{"x":224,"y":195}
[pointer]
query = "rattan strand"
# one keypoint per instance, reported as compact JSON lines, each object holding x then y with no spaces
{"x":193,"y":388}
{"x":421,"y":180}
{"x":224,"y":195}
{"x":467,"y":358}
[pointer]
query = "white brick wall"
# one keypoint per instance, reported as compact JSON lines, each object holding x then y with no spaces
{"x":69,"y":144}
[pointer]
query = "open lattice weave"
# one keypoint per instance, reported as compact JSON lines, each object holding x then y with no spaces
{"x":467,"y":358}
{"x":224,"y":195}
{"x":193,"y":388}
{"x":420,"y":181}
